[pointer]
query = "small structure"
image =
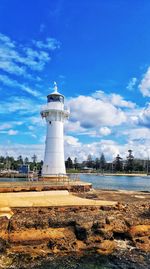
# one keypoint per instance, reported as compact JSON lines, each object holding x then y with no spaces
{"x":24,"y":169}
{"x":55,"y":114}
{"x":86,"y":169}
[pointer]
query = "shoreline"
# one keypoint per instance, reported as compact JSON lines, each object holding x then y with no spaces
{"x":113,"y":174}
{"x":36,"y":235}
{"x":23,"y":176}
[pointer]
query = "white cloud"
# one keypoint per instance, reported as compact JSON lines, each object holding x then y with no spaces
{"x":7,"y":41}
{"x":71,"y":140}
{"x":131,"y":84}
{"x":92,"y":112}
{"x":42,"y":27}
{"x":29,"y":90}
{"x":138,"y":134}
{"x":145,"y":115}
{"x":118,"y":101}
{"x":31,"y":127}
{"x":11,"y":67}
{"x":5,"y":126}
{"x":17,"y":59}
{"x":104,"y":131}
{"x":141,"y":117}
{"x":12,"y":132}
{"x":73,"y":127}
{"x":26,"y":150}
{"x":144,"y":86}
{"x":110,"y":149}
{"x":49,"y":44}
{"x":37,"y":120}
{"x":74,"y":148}
{"x":14,"y":83}
{"x":82,"y":150}
{"x":20,"y":106}
{"x":35,"y":60}
{"x":113,"y":98}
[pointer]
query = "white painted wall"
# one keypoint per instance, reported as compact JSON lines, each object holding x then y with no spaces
{"x":54,"y":162}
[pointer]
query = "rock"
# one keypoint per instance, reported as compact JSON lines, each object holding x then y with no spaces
{"x":128,"y":222}
{"x":110,"y":219}
{"x":6,"y":262}
{"x":139,"y":231}
{"x":66,"y":243}
{"x":79,"y":229}
{"x":142,"y":243}
{"x":119,"y":226}
{"x":80,"y":232}
{"x":83,"y":230}
{"x":106,"y":232}
{"x":140,"y":235}
{"x":106,"y":208}
{"x":100,"y":223}
{"x":80,"y":245}
{"x":4,"y":226}
{"x":106,"y":247}
{"x":2,"y":245}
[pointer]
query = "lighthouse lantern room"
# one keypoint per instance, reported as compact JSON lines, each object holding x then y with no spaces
{"x":55,"y":115}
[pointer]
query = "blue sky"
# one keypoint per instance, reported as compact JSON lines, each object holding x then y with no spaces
{"x":98,"y":52}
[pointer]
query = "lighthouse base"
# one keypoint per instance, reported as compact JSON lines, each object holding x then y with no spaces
{"x":54,"y":178}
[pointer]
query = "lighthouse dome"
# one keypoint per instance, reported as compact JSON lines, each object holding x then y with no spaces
{"x":55,"y":96}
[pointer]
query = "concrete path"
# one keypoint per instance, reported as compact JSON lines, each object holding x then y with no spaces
{"x":47,"y":198}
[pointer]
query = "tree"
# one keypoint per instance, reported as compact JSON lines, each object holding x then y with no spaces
{"x":102,"y":161}
{"x":20,"y":159}
{"x":89,"y":161}
{"x":97,"y":163}
{"x":130,"y":161}
{"x":69,"y":163}
{"x":141,"y":165}
{"x":118,"y":163}
{"x":34,"y":158}
{"x":7,"y":163}
{"x":26,"y":160}
{"x":75,"y":163}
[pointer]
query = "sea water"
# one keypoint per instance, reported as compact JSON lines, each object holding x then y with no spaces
{"x":134,"y":183}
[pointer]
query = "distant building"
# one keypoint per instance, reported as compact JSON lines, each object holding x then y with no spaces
{"x":24,"y":169}
{"x":87,"y":169}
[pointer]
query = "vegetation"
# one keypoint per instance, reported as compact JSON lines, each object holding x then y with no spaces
{"x":118,"y":165}
{"x":99,"y":165}
{"x":9,"y":163}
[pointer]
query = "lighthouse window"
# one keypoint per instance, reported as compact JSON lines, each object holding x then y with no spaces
{"x":55,"y":98}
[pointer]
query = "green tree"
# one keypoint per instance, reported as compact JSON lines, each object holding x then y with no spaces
{"x":130,"y":161}
{"x":7,"y":163}
{"x":69,"y":163}
{"x":26,"y":160}
{"x":118,"y":165}
{"x":102,"y":162}
{"x":34,"y":158}
{"x":20,"y":160}
{"x":89,"y":161}
{"x":97,"y":163}
{"x":75,"y":163}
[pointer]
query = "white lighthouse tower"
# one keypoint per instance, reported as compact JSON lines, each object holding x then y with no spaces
{"x":55,"y":115}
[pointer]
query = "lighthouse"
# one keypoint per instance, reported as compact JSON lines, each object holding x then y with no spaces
{"x":55,"y":114}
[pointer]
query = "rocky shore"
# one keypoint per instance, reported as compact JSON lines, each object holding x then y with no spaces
{"x":49,"y":235}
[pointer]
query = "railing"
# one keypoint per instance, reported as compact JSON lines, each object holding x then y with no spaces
{"x":35,"y":183}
